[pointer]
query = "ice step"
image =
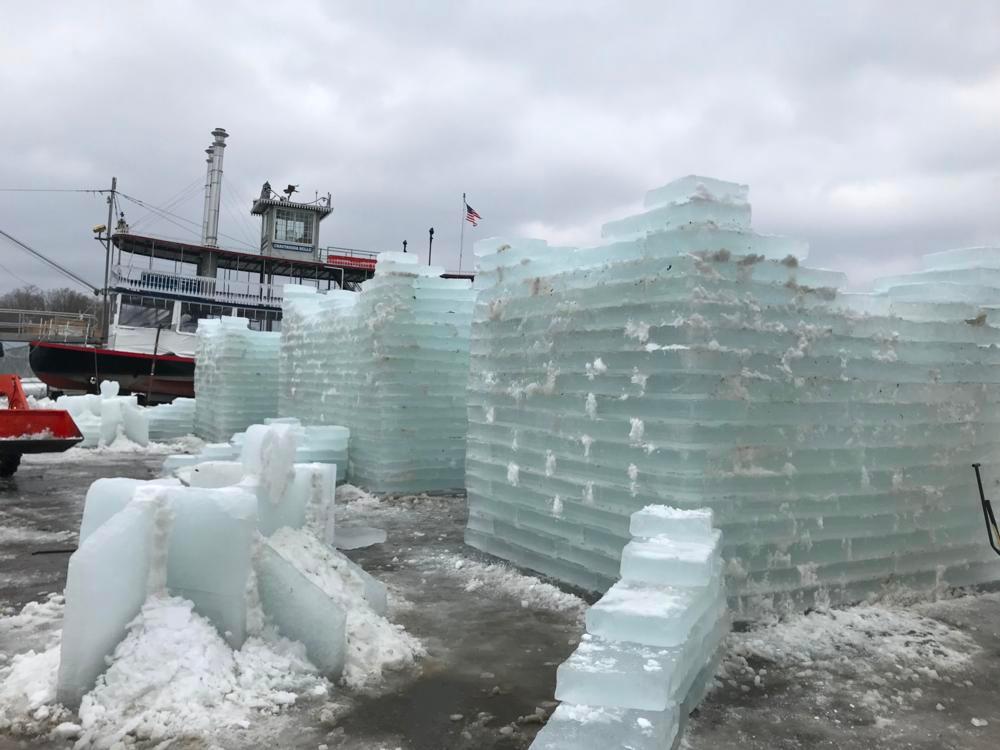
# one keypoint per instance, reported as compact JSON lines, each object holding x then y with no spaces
{"x":581,"y":727}
{"x":666,"y":561}
{"x":632,"y":675}
{"x":662,"y":520}
{"x":649,"y":614}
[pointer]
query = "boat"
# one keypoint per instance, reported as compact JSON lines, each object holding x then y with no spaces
{"x":158,"y":289}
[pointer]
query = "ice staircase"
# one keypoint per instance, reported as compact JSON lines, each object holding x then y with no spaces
{"x":651,"y":646}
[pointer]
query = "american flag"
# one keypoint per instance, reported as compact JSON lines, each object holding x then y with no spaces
{"x":471,"y":215}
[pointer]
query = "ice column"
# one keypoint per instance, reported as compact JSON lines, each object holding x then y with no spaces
{"x":389,"y":363}
{"x":235,"y":378}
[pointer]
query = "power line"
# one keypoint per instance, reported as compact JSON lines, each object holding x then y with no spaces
{"x":52,"y":263}
{"x":53,"y":190}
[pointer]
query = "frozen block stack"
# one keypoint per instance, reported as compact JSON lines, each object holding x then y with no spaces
{"x":390,"y":364}
{"x":104,"y":418}
{"x":171,"y":421}
{"x":325,"y":444}
{"x":691,"y":362}
{"x":235,"y":377}
{"x":651,"y":641}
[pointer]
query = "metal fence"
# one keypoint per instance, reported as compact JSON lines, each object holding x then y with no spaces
{"x":41,"y":325}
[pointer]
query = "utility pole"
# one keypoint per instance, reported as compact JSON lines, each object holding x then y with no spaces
{"x":430,"y":244}
{"x":107,"y":253}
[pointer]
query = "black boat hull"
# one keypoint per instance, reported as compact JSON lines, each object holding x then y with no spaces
{"x":68,"y":367}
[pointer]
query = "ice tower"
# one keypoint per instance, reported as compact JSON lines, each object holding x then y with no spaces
{"x":689,"y":361}
{"x":390,"y":364}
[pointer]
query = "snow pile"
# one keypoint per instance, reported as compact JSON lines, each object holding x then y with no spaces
{"x":235,"y":377}
{"x":692,"y":362}
{"x":879,"y":652}
{"x":390,"y":364}
{"x":174,"y":674}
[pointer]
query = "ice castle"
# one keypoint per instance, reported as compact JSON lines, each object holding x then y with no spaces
{"x":391,"y":365}
{"x":689,"y":361}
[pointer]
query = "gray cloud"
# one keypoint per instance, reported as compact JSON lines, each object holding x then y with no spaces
{"x":867,"y":128}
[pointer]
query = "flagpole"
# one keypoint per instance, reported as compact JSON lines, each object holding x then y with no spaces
{"x":461,"y":235}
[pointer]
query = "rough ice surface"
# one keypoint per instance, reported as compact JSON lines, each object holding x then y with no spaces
{"x":203,"y":536}
{"x":314,"y":444}
{"x":235,"y":377}
{"x":631,"y":682}
{"x":105,"y":417}
{"x":389,"y":363}
{"x":357,"y":537}
{"x":171,"y":421}
{"x":302,"y":611}
{"x":829,"y":433}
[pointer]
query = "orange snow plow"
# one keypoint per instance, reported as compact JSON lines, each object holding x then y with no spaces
{"x":26,"y":430}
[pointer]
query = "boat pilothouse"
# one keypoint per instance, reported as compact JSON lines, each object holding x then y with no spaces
{"x":160,"y":288}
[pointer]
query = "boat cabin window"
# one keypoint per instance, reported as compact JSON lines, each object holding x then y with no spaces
{"x":145,"y":312}
{"x":192,"y":312}
{"x":293,"y":225}
{"x":261,"y":320}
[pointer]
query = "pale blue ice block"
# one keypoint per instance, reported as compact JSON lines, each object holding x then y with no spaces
{"x":580,"y":727}
{"x":209,"y":554}
{"x":649,"y":614}
{"x":302,"y":611}
{"x":108,"y":496}
{"x":106,"y":585}
{"x":697,"y":186}
{"x":666,"y":561}
{"x":657,"y":520}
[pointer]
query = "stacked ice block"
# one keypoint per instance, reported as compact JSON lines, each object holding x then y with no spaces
{"x":326,"y":444}
{"x":390,"y":364}
{"x":691,"y":362}
{"x":201,"y":540}
{"x":171,"y":421}
{"x":235,"y":377}
{"x":649,"y":652}
{"x":106,"y":417}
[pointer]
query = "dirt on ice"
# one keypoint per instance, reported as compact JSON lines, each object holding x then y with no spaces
{"x":891,"y":674}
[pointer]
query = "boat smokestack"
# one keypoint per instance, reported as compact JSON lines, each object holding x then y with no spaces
{"x":208,"y":193}
{"x":215,"y":188}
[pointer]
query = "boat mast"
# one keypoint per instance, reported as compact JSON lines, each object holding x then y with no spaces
{"x":107,"y":255}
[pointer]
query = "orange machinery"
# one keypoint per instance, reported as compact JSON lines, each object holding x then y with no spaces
{"x":26,"y":430}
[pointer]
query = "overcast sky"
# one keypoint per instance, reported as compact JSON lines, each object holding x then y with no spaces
{"x":869,"y":129}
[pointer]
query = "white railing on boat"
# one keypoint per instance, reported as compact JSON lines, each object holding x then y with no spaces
{"x":197,"y":287}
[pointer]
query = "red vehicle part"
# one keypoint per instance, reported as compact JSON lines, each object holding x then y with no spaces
{"x":26,"y":430}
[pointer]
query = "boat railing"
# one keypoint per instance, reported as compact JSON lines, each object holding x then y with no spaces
{"x":348,"y":257}
{"x":47,"y":325}
{"x":197,"y":287}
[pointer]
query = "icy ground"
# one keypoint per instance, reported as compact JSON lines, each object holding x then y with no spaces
{"x":864,"y":677}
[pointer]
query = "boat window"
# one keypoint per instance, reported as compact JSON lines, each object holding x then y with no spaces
{"x":145,"y":312}
{"x":292,"y":225}
{"x":192,"y":312}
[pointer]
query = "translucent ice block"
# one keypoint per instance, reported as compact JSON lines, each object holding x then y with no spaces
{"x":580,"y":727}
{"x":106,"y":585}
{"x":302,"y":611}
{"x":106,"y":497}
{"x":209,"y":554}
{"x":654,"y":615}
{"x":662,"y":520}
{"x":666,"y":561}
{"x":357,"y":537}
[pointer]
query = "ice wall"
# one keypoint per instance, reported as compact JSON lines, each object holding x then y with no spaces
{"x":235,"y":377}
{"x":390,"y":364}
{"x":171,"y":421}
{"x":105,"y":417}
{"x":691,"y":362}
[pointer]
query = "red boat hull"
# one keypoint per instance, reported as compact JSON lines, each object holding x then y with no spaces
{"x":67,"y":367}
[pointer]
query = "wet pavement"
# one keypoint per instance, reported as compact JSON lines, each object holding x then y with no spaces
{"x":494,"y":639}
